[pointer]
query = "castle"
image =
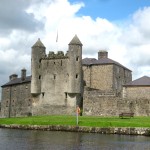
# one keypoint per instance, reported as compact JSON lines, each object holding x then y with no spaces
{"x":60,"y":82}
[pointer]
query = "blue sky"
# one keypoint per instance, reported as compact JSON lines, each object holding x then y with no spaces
{"x":111,"y":9}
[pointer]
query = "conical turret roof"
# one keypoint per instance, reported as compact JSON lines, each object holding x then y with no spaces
{"x":38,"y":43}
{"x":75,"y":41}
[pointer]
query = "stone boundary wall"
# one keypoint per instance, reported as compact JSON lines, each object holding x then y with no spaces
{"x":112,"y":130}
{"x":97,"y":105}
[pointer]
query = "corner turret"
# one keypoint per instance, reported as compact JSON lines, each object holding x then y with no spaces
{"x":38,"y":52}
{"x":75,"y":65}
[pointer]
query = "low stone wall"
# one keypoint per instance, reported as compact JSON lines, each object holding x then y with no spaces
{"x":115,"y":130}
{"x":98,"y":105}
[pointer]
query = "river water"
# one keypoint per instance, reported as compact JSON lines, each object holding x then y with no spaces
{"x":14,"y":139}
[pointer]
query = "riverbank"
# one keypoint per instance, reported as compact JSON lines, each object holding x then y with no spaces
{"x":110,"y":130}
{"x":90,"y":124}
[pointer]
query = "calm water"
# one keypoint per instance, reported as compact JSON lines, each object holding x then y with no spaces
{"x":11,"y":139}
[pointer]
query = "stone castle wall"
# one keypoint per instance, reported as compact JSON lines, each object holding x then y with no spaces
{"x":98,"y":76}
{"x":97,"y":103}
{"x":120,"y":76}
{"x":106,"y":77}
{"x":136,"y":92}
{"x":54,"y":81}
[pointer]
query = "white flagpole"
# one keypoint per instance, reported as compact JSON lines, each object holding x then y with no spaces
{"x":57,"y":37}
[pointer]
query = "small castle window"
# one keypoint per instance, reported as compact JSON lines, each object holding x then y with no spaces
{"x":61,"y":62}
{"x":54,"y":76}
{"x":43,"y":94}
{"x":76,"y":76}
{"x":54,"y":62}
{"x":66,"y":95}
{"x":39,"y":77}
{"x":6,"y":103}
{"x":40,"y":60}
{"x":77,"y":58}
{"x":29,"y":102}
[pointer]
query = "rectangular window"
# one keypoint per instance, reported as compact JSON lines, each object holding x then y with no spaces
{"x":77,"y":58}
{"x":76,"y":76}
{"x":54,"y":76}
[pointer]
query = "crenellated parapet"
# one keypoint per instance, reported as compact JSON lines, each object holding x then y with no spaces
{"x":58,"y":55}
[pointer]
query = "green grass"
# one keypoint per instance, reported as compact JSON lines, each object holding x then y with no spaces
{"x":83,"y":121}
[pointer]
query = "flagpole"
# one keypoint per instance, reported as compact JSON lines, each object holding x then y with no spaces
{"x":57,"y":40}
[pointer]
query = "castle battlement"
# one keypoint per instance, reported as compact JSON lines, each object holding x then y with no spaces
{"x":58,"y":55}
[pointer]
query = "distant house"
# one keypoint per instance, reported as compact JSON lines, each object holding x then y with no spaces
{"x":137,"y":89}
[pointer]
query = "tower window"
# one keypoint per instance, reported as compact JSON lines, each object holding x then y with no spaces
{"x":77,"y":58}
{"x":66,"y":95}
{"x":54,"y":76}
{"x":54,"y":62}
{"x":43,"y":94}
{"x":76,"y":75}
{"x":39,"y":77}
{"x":61,"y":62}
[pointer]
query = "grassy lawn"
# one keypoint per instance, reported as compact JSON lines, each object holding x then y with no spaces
{"x":83,"y":121}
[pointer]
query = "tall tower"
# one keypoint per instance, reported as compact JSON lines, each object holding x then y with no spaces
{"x":75,"y":65}
{"x":38,"y":52}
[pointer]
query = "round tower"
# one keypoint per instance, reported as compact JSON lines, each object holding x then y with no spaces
{"x":38,"y":51}
{"x":75,"y":65}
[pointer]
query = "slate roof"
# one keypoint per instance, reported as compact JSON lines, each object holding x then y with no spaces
{"x":75,"y":40}
{"x":38,"y":43}
{"x":101,"y":61}
{"x":17,"y":81}
{"x":143,"y":81}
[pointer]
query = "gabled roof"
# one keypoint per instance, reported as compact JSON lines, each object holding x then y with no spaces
{"x":143,"y":81}
{"x":17,"y":81}
{"x":75,"y":41}
{"x":101,"y":61}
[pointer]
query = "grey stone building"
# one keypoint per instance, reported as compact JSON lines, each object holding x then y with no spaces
{"x":105,"y":74}
{"x":56,"y":84}
{"x":54,"y":88}
{"x":16,"y":97}
{"x":60,"y":82}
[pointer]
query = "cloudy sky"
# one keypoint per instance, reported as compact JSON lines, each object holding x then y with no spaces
{"x":122,"y":27}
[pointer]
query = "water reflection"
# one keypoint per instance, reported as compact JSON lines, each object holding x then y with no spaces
{"x":11,"y":139}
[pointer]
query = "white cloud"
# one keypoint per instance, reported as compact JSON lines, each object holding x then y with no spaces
{"x":127,"y":43}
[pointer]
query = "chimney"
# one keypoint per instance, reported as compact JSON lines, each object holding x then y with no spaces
{"x":13,"y":77}
{"x":23,"y":74}
{"x":102,"y":54}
